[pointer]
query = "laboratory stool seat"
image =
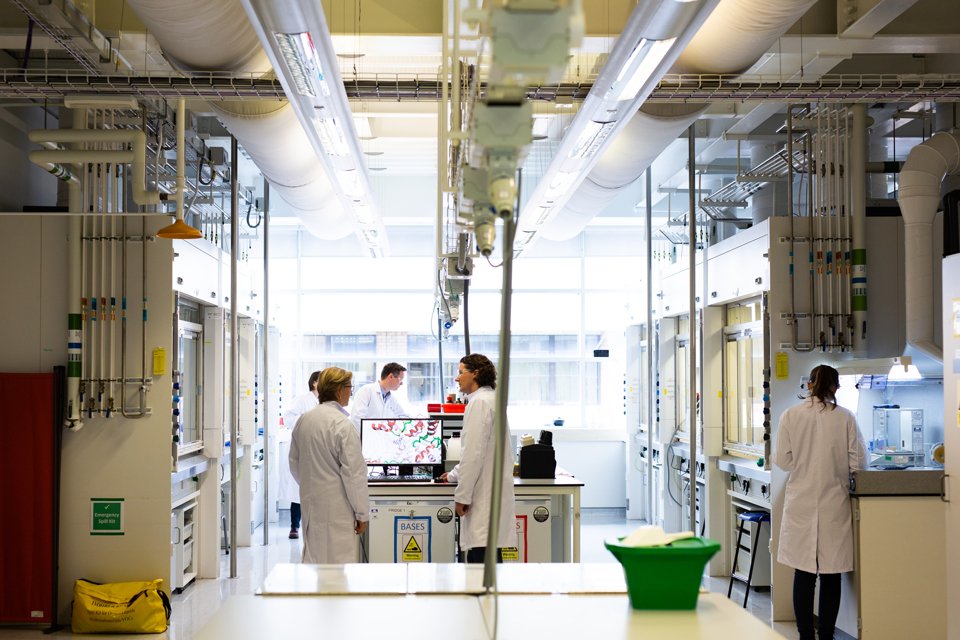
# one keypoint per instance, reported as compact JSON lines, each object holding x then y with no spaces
{"x":745,"y":517}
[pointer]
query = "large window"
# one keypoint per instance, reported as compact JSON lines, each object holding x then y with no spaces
{"x":563,"y":309}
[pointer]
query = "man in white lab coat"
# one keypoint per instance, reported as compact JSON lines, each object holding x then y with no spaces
{"x":289,"y":491}
{"x":377,"y":399}
{"x":325,"y":460}
{"x":818,"y":444}
{"x":474,"y":473}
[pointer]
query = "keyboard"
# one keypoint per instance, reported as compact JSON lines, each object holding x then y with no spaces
{"x":401,"y":478}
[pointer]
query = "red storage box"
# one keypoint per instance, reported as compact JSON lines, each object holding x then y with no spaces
{"x":454,"y":408}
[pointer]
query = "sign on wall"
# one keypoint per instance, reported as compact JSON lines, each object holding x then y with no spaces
{"x":106,"y":516}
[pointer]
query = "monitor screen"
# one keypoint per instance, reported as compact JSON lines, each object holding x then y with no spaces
{"x":395,"y":441}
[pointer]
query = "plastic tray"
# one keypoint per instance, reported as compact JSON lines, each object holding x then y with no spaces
{"x":666,"y":577}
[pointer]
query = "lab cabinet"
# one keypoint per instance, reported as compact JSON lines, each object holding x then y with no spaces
{"x":900,"y":576}
{"x":183,"y":551}
{"x":533,"y":529}
{"x":900,"y":571}
{"x":411,"y":529}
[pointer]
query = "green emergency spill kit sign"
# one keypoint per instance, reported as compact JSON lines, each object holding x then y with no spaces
{"x":106,"y":516}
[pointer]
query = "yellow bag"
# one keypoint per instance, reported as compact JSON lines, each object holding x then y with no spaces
{"x":120,"y":607}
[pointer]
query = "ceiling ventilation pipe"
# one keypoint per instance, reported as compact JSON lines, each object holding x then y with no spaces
{"x":920,"y":179}
{"x":732,"y":39}
{"x":215,"y":35}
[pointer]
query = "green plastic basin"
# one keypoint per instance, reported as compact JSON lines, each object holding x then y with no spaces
{"x":666,"y":577}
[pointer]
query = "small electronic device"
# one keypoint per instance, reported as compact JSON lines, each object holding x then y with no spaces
{"x":401,"y":441}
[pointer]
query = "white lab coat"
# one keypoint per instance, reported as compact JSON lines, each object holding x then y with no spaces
{"x":288,"y":489}
{"x":325,"y":460}
{"x":819,"y":447}
{"x":474,"y":475}
{"x":368,"y":402}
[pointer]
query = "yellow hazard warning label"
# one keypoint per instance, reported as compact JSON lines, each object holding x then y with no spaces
{"x":412,"y":552}
{"x":510,"y":554}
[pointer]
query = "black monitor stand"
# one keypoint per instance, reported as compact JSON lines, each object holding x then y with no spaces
{"x":405,"y":470}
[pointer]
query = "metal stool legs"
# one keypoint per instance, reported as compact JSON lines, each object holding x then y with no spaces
{"x":753,"y":556}
{"x":736,"y":554}
{"x":757,"y":518}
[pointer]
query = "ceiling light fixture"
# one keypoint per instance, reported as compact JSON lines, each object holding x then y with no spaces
{"x":296,"y":38}
{"x":634,"y":66}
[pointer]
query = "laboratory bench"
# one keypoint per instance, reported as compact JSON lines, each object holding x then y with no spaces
{"x":548,"y":520}
{"x":444,"y":601}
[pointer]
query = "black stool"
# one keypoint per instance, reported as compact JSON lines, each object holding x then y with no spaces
{"x":758,"y":517}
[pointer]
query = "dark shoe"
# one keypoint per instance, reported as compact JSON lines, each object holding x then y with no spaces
{"x":294,"y":534}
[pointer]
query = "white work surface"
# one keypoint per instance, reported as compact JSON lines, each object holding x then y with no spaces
{"x":441,"y":617}
{"x":436,"y":578}
{"x":563,"y":600}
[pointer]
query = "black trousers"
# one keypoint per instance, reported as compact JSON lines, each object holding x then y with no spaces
{"x":478,"y":554}
{"x":804,"y":585}
{"x":294,"y":515}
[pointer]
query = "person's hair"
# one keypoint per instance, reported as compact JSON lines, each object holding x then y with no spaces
{"x":312,"y":382}
{"x":332,"y":379}
{"x":824,"y":381}
{"x":482,"y":369}
{"x":392,"y":367}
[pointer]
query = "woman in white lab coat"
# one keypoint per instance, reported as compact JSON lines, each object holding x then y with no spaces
{"x":818,"y":444}
{"x":474,"y":473}
{"x":325,"y":460}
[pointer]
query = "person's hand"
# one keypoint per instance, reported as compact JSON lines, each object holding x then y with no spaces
{"x":444,"y":478}
{"x":461,"y":508}
{"x":361,"y":527}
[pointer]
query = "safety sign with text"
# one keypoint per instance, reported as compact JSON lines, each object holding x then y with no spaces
{"x":518,"y":553}
{"x":106,"y":516}
{"x":411,"y":538}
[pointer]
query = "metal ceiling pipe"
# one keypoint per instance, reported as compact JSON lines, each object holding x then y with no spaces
{"x":732,"y":39}
{"x":920,"y":179}
{"x":136,"y":157}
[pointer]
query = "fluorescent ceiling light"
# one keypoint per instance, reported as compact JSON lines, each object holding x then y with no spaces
{"x":592,"y":138}
{"x":300,"y":56}
{"x":331,"y":137}
{"x":643,"y":61}
{"x":560,"y":183}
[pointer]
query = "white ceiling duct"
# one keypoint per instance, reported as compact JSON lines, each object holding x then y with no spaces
{"x":920,"y":178}
{"x":271,"y":134}
{"x":215,"y":35}
{"x":732,"y":39}
{"x":616,"y":168}
{"x":204,"y":35}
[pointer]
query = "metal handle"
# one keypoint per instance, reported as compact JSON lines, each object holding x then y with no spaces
{"x":943,"y":488}
{"x":177,"y":541}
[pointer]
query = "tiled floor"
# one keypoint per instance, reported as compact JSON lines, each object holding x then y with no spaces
{"x":200,"y":601}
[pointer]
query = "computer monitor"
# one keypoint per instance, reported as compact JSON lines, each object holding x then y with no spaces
{"x":401,"y":441}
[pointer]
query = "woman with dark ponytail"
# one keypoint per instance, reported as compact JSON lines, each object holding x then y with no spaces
{"x":818,"y":443}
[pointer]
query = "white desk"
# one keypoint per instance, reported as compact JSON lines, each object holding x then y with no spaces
{"x":442,"y":617}
{"x":567,"y":488}
{"x":438,"y":578}
{"x":559,"y":601}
